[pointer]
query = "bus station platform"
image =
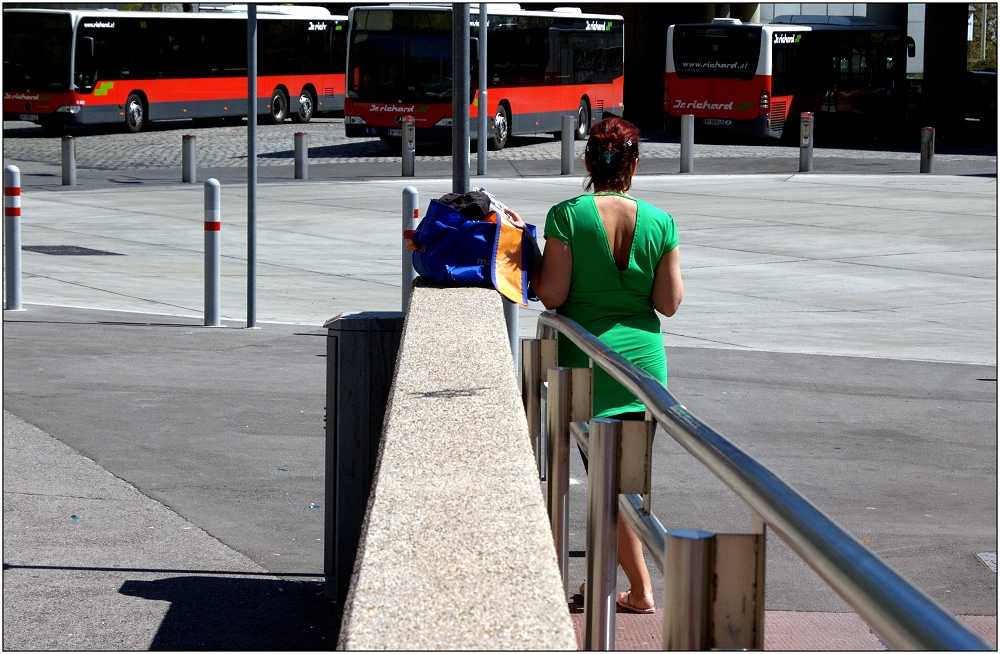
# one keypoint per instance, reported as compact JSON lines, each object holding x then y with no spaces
{"x":163,"y":480}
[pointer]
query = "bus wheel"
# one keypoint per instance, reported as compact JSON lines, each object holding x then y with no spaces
{"x":501,"y":128}
{"x":306,"y":108}
{"x":583,"y":119}
{"x":279,"y":107}
{"x":135,"y":114}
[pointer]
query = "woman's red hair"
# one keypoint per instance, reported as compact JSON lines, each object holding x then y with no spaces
{"x":612,"y":148}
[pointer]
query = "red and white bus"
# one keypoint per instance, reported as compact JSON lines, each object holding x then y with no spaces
{"x":753,"y":79}
{"x":76,"y":67}
{"x":542,"y":65}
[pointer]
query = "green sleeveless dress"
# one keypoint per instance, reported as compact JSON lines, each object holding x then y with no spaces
{"x":614,"y":305}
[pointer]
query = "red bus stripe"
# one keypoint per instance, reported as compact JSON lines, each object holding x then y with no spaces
{"x":12,"y":190}
{"x":213,"y":227}
{"x":408,"y":233}
{"x":12,"y":211}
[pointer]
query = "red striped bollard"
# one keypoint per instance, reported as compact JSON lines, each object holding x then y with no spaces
{"x":213,"y":252}
{"x":411,"y":217}
{"x":12,"y":235}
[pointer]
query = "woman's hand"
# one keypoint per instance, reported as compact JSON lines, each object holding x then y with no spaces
{"x":514,"y":218}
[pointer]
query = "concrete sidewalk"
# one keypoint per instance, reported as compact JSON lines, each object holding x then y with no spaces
{"x":862,"y":309}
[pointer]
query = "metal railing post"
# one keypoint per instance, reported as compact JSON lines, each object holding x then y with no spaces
{"x":687,"y":599}
{"x":189,"y":160}
{"x":567,"y":144}
{"x":12,"y":236}
{"x":301,"y":155}
{"x":512,"y":317}
{"x":927,"y":150}
{"x":213,"y":253}
{"x":602,"y":534}
{"x":531,"y":379}
{"x":557,"y":464}
{"x":68,"y":161}
{"x":806,"y":142}
{"x":409,"y":146}
{"x":687,"y":143}
{"x":411,"y":218}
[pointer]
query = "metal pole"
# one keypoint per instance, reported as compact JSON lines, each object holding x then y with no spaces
{"x":12,"y":235}
{"x":460,"y":98}
{"x":687,"y":598}
{"x":531,"y":379}
{"x":806,"y":142}
{"x":602,"y":534}
{"x":213,"y":252}
{"x":189,"y":161}
{"x":512,"y":316}
{"x":927,"y":150}
{"x":687,"y":143}
{"x":301,"y":155}
{"x":409,"y":146}
{"x":68,"y":161}
{"x":557,"y":464}
{"x":411,"y":218}
{"x":567,"y":144}
{"x":251,"y":165}
{"x":484,"y":104}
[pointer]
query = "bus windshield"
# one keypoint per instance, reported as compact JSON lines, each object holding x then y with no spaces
{"x":36,"y":52}
{"x":400,"y":56}
{"x":716,"y":51}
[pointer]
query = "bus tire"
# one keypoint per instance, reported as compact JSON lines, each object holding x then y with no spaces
{"x":307,"y":107}
{"x":583,"y":121}
{"x":501,"y":128}
{"x":135,"y":113}
{"x":279,"y":106}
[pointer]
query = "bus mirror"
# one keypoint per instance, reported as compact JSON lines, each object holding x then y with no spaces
{"x":911,"y":47}
{"x":87,"y":44}
{"x":473,"y":49}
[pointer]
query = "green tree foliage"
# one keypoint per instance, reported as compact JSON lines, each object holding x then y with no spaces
{"x":984,"y":11}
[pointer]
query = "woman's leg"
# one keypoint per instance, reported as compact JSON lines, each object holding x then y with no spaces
{"x":631,"y":561}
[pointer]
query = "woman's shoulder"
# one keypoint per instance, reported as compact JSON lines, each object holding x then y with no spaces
{"x":571,"y":203}
{"x":653,"y":210}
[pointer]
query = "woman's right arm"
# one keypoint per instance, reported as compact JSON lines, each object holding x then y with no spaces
{"x":550,"y":281}
{"x":668,"y":288}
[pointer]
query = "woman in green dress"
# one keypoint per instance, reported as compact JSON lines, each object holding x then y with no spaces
{"x":610,"y":262}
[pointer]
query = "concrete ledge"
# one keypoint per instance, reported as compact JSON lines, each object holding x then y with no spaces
{"x":456,"y":551}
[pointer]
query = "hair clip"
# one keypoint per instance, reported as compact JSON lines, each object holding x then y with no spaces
{"x":607,"y":156}
{"x":629,"y":143}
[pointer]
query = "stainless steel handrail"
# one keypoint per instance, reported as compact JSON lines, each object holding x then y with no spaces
{"x":898,"y":611}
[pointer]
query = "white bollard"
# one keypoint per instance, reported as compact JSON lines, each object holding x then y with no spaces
{"x":213,"y":252}
{"x":687,"y":143}
{"x":927,"y":150}
{"x":12,"y":235}
{"x":806,"y":142}
{"x":189,"y":161}
{"x":68,"y":161}
{"x":301,"y":155}
{"x":411,"y":218}
{"x":567,"y":144}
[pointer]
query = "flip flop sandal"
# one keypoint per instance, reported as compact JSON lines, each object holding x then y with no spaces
{"x":628,"y":605}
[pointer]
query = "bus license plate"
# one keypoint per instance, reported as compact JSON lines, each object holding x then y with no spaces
{"x":716,"y":121}
{"x":395,"y":132}
{"x":27,"y":116}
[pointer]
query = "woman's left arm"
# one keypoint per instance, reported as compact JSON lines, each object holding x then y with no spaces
{"x":551,"y":280}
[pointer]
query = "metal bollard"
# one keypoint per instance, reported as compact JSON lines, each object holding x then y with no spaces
{"x":213,"y":254}
{"x":409,"y":146}
{"x":12,"y":235}
{"x":603,"y":486}
{"x":411,"y":218}
{"x":567,"y":144}
{"x":686,"y":604}
{"x":512,"y":316}
{"x":806,"y":142}
{"x":927,"y":150}
{"x":68,"y":161}
{"x":687,"y":143}
{"x":189,"y":160}
{"x":301,"y":155}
